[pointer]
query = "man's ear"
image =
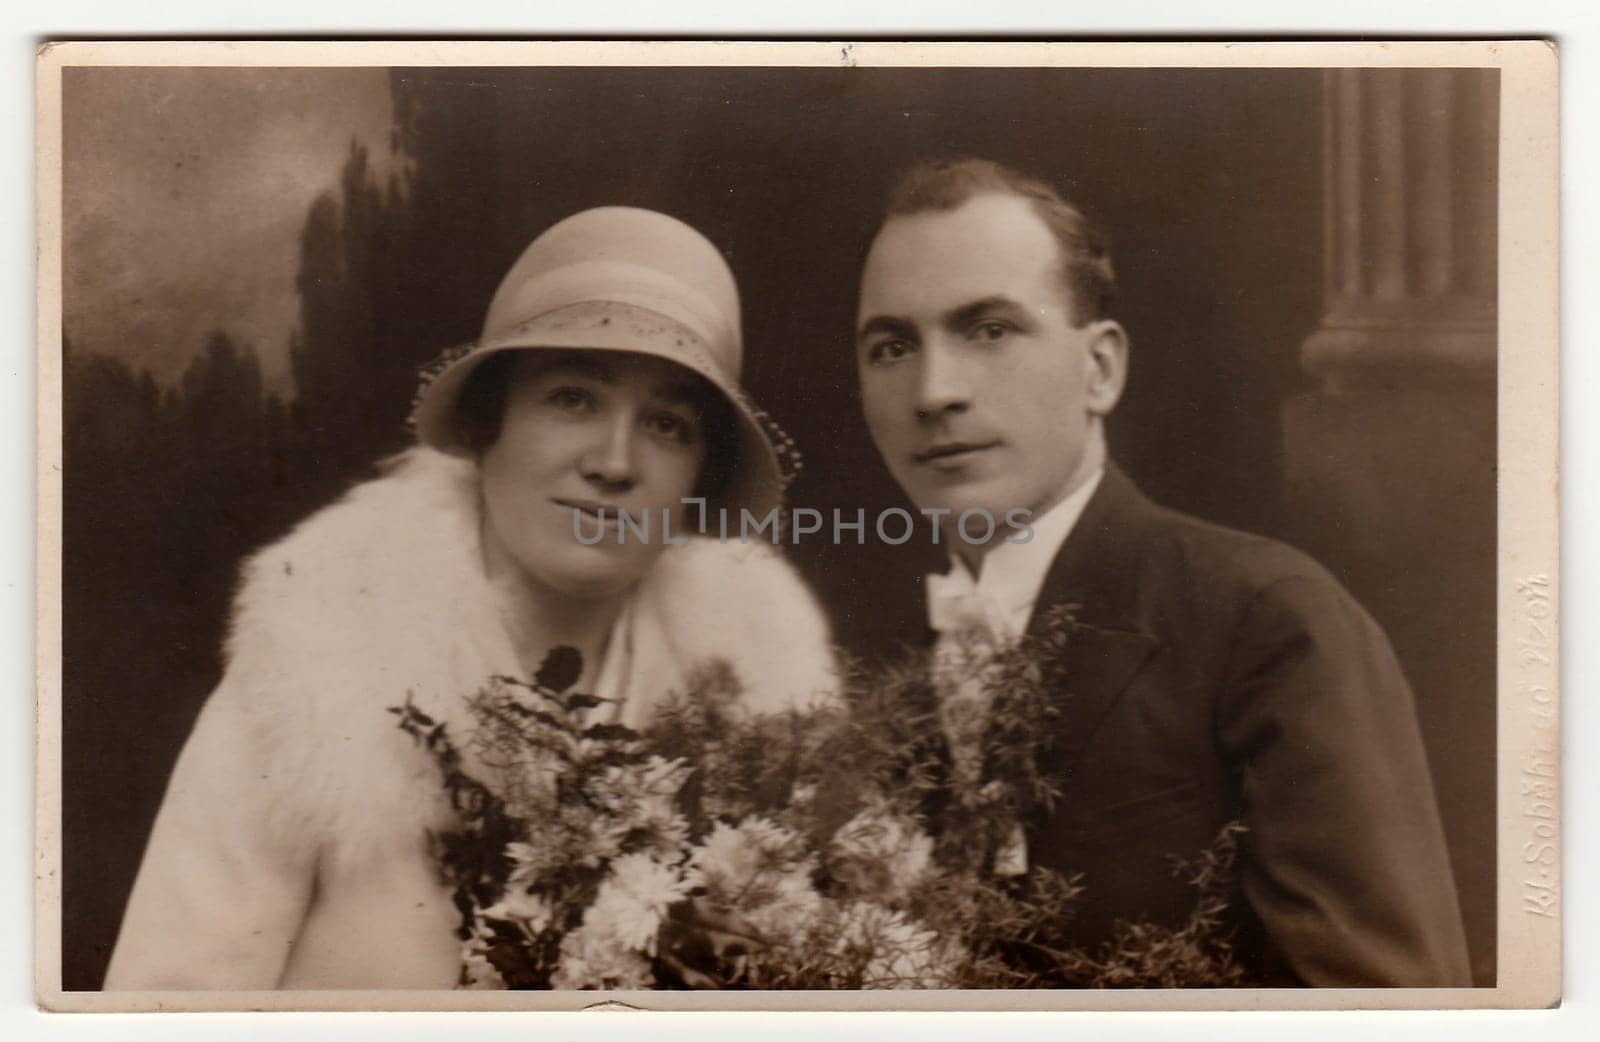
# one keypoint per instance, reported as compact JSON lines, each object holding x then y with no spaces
{"x":1106,"y":355}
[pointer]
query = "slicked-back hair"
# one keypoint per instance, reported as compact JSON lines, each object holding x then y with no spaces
{"x":936,"y":186}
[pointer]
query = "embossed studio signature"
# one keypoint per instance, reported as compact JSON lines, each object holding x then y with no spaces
{"x":1538,"y":781}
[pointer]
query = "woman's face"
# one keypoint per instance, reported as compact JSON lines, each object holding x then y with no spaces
{"x":586,"y":432}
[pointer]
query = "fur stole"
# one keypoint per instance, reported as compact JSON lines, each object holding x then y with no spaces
{"x":383,"y":596}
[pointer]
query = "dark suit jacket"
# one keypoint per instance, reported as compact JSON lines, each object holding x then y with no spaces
{"x":1215,"y":676}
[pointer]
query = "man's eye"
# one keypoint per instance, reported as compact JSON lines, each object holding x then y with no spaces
{"x":885,"y":352}
{"x":992,"y":330}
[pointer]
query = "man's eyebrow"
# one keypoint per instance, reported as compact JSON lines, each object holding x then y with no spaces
{"x":885,"y":324}
{"x":967,"y":313}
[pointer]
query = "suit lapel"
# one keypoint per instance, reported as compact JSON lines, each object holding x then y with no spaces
{"x":1094,"y":576}
{"x":1096,"y":668}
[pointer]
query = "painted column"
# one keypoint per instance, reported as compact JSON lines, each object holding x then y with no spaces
{"x":1390,"y":458}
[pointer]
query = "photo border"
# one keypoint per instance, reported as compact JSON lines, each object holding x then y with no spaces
{"x":1529,"y":586}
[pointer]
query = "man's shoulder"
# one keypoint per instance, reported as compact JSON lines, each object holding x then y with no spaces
{"x":1177,"y":559}
{"x":1223,"y":597}
{"x":1174,"y":539}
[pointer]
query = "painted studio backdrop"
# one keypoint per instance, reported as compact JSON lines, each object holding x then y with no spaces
{"x":258,"y":260}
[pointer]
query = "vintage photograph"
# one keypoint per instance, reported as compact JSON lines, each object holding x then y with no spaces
{"x":635,"y":520}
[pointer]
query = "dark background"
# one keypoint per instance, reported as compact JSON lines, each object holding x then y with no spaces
{"x":1209,"y":182}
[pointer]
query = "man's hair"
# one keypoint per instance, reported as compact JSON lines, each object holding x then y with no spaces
{"x":934,"y":186}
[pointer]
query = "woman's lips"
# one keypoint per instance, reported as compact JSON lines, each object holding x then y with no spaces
{"x":592,"y":510}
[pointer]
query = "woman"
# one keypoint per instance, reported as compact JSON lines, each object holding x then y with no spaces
{"x":292,"y":846}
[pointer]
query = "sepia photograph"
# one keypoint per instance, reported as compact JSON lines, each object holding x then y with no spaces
{"x":797,"y":525}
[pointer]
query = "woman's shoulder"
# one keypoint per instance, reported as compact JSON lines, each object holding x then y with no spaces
{"x":370,"y":602}
{"x":411,"y":530}
{"x":745,"y":604}
{"x":375,"y":595}
{"x":419,"y":497}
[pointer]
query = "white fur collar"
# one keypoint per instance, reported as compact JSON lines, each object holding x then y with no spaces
{"x":382,"y":596}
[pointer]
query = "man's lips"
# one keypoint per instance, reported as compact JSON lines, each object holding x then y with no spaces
{"x":952,"y":451}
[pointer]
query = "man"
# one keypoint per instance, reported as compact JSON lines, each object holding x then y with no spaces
{"x":1210,"y":675}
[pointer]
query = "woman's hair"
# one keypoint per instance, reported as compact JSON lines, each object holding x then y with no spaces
{"x":481,"y":405}
{"x":481,"y":408}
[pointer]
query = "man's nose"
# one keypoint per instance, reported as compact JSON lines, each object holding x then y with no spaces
{"x":943,"y":385}
{"x":612,"y":459}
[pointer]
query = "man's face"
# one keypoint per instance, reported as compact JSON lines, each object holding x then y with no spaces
{"x":978,"y":388}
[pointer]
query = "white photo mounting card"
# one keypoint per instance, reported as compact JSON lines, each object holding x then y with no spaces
{"x":798,"y":526}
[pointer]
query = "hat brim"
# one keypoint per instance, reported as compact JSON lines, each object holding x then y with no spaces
{"x":756,"y":483}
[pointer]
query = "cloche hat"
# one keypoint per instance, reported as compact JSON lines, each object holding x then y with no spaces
{"x":619,"y":278}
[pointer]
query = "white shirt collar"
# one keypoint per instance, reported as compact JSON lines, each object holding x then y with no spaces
{"x":1012,"y":574}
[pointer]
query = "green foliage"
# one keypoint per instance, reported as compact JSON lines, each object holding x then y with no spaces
{"x":1195,"y":954}
{"x":831,"y":847}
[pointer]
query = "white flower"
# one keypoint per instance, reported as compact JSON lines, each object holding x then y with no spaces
{"x":881,"y":854}
{"x":594,"y":958}
{"x":625,"y":786}
{"x":898,"y":952}
{"x":522,"y":853}
{"x":603,"y":841}
{"x":641,"y":801}
{"x":761,"y":874}
{"x":664,"y":777}
{"x":736,"y":860}
{"x":519,"y":905}
{"x":633,"y":901}
{"x":620,"y":928}
{"x":790,"y":910}
{"x":479,"y":974}
{"x":529,"y":863}
{"x":667,"y":837}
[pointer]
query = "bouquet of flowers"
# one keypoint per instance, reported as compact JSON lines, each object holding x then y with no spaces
{"x":833,"y":847}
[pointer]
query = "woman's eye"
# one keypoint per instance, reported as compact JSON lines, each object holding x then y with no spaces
{"x":673,"y":426}
{"x":572,"y":399}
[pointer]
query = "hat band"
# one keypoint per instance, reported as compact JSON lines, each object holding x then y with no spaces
{"x":617,"y":282}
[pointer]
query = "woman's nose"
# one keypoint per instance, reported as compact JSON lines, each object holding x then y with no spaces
{"x":612,"y":459}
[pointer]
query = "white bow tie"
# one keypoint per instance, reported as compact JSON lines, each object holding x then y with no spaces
{"x":957,"y":606}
